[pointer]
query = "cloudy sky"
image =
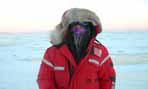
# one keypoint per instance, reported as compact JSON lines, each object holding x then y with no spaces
{"x":43,"y":15}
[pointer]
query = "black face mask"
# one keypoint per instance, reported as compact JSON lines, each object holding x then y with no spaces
{"x":78,"y":39}
{"x":79,"y":34}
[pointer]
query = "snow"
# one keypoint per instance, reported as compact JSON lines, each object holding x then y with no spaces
{"x":21,"y":55}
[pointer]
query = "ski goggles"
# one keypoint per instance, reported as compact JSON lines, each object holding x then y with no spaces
{"x":78,"y":30}
{"x":84,"y":24}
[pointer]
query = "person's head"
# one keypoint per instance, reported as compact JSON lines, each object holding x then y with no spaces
{"x":78,"y":23}
{"x":79,"y":34}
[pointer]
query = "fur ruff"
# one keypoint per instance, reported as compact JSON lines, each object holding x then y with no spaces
{"x":72,"y":15}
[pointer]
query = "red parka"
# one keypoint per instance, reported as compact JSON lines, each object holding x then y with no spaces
{"x":59,"y":70}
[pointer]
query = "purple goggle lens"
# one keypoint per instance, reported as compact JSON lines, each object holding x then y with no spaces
{"x":78,"y":32}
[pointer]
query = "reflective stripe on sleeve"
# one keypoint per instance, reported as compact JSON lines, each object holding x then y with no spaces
{"x":59,"y":68}
{"x":93,"y":61}
{"x":105,"y":59}
{"x":48,"y":63}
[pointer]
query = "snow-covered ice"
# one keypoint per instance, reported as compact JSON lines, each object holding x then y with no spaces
{"x":21,"y":54}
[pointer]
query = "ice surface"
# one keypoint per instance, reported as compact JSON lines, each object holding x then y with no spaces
{"x":21,"y":54}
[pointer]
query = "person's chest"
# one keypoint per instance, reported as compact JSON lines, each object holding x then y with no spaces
{"x":68,"y":72}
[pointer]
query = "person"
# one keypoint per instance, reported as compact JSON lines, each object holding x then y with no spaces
{"x":77,"y":60}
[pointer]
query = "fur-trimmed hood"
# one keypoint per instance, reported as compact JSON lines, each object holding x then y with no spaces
{"x":73,"y":15}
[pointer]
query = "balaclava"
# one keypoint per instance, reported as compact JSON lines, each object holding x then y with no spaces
{"x":78,"y":37}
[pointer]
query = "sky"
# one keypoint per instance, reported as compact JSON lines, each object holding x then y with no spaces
{"x":43,"y":15}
